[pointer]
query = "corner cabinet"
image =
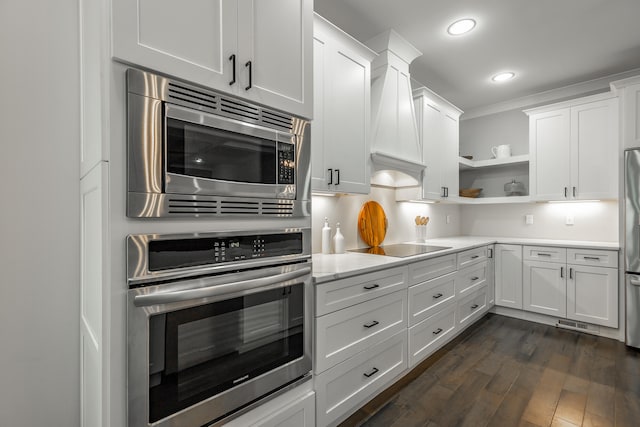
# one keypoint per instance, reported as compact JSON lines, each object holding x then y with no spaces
{"x":438,"y":130}
{"x":260,"y":51}
{"x":340,"y":130}
{"x":574,"y":149}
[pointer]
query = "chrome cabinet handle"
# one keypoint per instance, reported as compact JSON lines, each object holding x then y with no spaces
{"x":330,"y":176}
{"x":371,"y":286}
{"x":216,"y":288}
{"x":371,"y":325}
{"x":232,"y":58}
{"x":438,"y":295}
{"x":372,"y":373}
{"x":474,"y":306}
{"x":437,"y":331}
{"x":249,"y":65}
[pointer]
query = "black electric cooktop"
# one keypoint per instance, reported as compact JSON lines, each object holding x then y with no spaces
{"x":400,"y":250}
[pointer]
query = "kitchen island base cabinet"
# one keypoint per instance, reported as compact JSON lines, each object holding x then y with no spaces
{"x":345,"y":387}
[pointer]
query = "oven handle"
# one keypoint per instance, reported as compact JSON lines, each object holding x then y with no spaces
{"x":216,"y":290}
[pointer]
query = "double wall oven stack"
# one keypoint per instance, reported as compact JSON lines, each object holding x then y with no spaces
{"x":218,"y":321}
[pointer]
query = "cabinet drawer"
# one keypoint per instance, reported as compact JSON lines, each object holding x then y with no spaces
{"x":343,"y":388}
{"x":471,"y":256}
{"x":594,"y":257}
{"x":431,"y":268}
{"x":343,"y":293}
{"x":472,"y":306}
{"x":426,"y":298}
{"x":544,"y":253}
{"x":342,"y":334}
{"x":471,"y":278}
{"x":429,"y":335}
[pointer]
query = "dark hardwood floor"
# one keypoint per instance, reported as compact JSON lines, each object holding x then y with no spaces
{"x":508,"y":372}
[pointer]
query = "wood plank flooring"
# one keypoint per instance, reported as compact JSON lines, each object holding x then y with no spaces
{"x":507,"y":372}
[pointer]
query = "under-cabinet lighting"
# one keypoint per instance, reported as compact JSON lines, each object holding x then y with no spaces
{"x":573,"y":201}
{"x":461,"y":26}
{"x":426,"y":202}
{"x":503,"y":77}
{"x":324,"y":194}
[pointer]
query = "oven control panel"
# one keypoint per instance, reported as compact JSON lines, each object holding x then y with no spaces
{"x":202,"y":251}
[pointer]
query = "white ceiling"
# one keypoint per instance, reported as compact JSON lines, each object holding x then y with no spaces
{"x":547,"y":43}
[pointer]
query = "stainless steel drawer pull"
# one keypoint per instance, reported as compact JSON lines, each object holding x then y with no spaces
{"x":595,"y":258}
{"x":475,"y":256}
{"x":474,"y":306}
{"x":437,"y":331}
{"x":372,"y":373}
{"x":372,"y":286}
{"x":372,"y":324}
{"x":438,"y":295}
{"x":474,"y":278}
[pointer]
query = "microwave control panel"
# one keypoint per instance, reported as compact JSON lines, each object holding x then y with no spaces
{"x":286,"y":163}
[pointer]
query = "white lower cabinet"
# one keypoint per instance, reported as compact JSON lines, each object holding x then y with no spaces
{"x":430,"y":334}
{"x":292,"y":409}
{"x":344,"y":333}
{"x":427,"y":298}
{"x":508,"y":275}
{"x":544,"y":288}
{"x":470,"y":279}
{"x":351,"y":383}
{"x":592,"y":295}
{"x":471,"y":307}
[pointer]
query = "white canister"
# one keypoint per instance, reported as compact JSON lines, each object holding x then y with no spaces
{"x":501,"y":151}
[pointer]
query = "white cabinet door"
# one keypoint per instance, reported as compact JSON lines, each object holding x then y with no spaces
{"x":274,"y":50}
{"x":191,"y":41}
{"x":340,"y":130}
{"x":450,"y":147}
{"x":631,"y":116}
{"x":508,"y":275}
{"x":592,"y":295}
{"x":491,"y":275}
{"x":594,"y":150}
{"x":430,"y":133}
{"x":544,"y":288}
{"x":550,"y":149}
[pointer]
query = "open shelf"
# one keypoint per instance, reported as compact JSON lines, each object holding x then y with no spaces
{"x":466,"y":164}
{"x":494,"y":200}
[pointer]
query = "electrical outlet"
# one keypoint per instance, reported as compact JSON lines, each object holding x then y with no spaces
{"x":528,"y":219}
{"x":448,"y":219}
{"x":569,"y":220}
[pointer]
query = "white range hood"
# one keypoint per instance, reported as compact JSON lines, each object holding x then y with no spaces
{"x":396,"y":155}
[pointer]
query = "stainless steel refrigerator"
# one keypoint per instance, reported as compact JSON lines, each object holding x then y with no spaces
{"x":632,"y":245}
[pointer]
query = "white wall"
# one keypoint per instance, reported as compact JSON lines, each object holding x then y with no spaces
{"x":401,"y":215}
{"x":39,"y":219}
{"x":478,"y":135}
{"x":594,"y":221}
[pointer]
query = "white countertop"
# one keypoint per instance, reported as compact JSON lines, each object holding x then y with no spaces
{"x":331,"y":267}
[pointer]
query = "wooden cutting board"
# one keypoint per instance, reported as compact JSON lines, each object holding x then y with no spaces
{"x":372,"y":223}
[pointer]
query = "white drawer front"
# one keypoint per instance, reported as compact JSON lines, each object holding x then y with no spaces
{"x":472,"y":306}
{"x":342,"y":389}
{"x":544,"y":253}
{"x":344,"y":333}
{"x":336,"y":295}
{"x":431,"y":268}
{"x":472,"y":256}
{"x":426,"y":298}
{"x":471,"y":278}
{"x":592,"y":257}
{"x":429,"y":335}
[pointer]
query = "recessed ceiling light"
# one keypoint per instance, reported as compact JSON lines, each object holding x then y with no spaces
{"x":503,"y":77}
{"x":461,"y":26}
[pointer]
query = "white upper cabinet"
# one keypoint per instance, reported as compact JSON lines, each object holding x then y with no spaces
{"x":260,"y":51}
{"x":437,"y":121}
{"x":629,"y":92}
{"x":574,"y":149}
{"x":340,"y":130}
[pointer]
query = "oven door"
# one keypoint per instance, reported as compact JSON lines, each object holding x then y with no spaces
{"x":213,"y":155}
{"x":203,"y":349}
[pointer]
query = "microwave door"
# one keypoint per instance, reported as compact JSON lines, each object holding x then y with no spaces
{"x":632,"y":211}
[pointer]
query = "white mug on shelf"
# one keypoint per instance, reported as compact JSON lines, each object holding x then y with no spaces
{"x":501,"y":151}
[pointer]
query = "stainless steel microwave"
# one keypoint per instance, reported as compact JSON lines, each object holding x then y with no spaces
{"x":196,"y":152}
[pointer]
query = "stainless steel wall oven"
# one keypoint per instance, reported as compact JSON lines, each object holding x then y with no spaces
{"x":217,"y":323}
{"x":195,"y":152}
